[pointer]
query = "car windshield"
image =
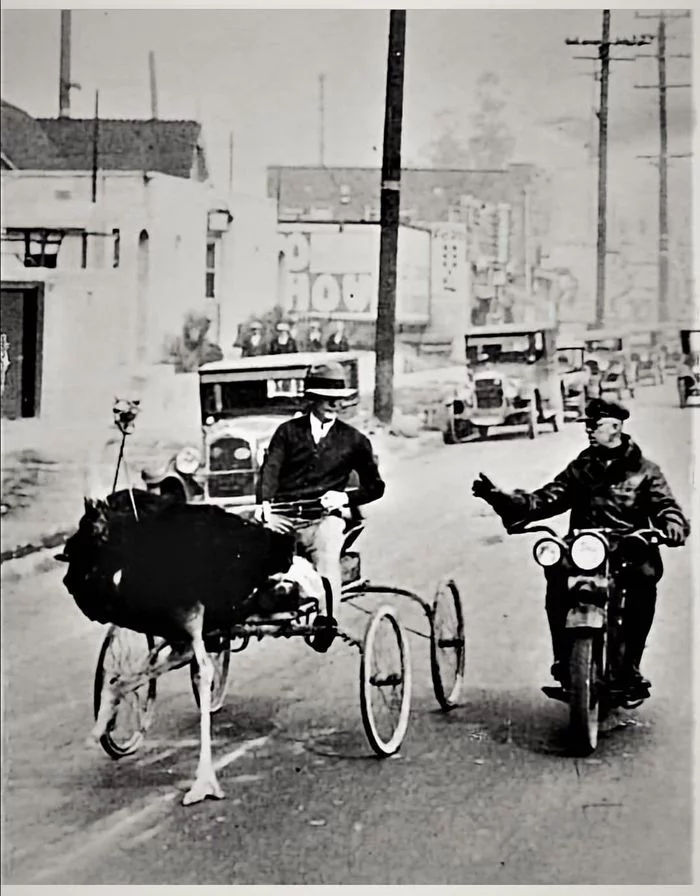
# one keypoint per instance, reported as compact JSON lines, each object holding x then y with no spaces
{"x":521,"y":348}
{"x":570,"y":358}
{"x":604,"y":345}
{"x":249,"y":397}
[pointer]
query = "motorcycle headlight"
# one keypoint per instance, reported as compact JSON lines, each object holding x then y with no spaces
{"x":547,"y":552}
{"x":588,"y":551}
{"x":188,"y":460}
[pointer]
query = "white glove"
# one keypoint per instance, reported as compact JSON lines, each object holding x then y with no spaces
{"x":262,"y":512}
{"x":334,"y":500}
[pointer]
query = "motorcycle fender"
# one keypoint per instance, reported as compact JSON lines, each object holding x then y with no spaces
{"x":585,"y":617}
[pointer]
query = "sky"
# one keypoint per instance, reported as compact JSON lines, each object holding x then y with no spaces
{"x":255,"y":74}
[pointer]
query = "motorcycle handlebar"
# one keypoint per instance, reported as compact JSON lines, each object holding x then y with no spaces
{"x":649,"y":536}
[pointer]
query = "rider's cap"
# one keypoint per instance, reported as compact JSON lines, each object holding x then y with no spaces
{"x":597,"y":408}
{"x":256,"y":325}
{"x":327,"y":381}
{"x":282,"y":327}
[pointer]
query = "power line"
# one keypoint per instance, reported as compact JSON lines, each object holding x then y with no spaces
{"x":662,"y":159}
{"x":604,"y":45}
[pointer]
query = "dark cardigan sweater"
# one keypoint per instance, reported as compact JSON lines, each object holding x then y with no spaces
{"x":296,"y":467}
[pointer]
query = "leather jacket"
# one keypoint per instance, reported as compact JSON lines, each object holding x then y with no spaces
{"x":627,"y":492}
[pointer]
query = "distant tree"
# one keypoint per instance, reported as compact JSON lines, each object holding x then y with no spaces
{"x":447,"y":149}
{"x":491,"y":142}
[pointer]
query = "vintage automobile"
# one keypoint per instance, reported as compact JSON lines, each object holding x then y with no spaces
{"x":648,"y":367}
{"x":688,"y":375}
{"x":513,"y":379}
{"x":242,"y":403}
{"x":576,"y":376}
{"x":614,"y":375}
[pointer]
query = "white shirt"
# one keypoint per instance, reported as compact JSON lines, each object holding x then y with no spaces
{"x":318,"y":429}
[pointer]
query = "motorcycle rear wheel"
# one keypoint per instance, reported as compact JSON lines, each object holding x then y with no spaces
{"x":584,"y":702}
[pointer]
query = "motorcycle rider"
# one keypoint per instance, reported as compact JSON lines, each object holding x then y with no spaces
{"x":609,"y":485}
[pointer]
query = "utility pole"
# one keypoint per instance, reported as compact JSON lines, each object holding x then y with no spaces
{"x":389,"y":217}
{"x":95,"y":145}
{"x":663,"y":157}
{"x":64,"y":82}
{"x":321,"y":120}
{"x":154,"y":87}
{"x":604,"y":45}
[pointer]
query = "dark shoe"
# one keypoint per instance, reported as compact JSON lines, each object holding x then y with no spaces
{"x":636,"y":687}
{"x":556,"y":693}
{"x":325,"y":630}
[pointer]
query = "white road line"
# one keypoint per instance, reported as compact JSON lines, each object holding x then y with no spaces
{"x":121,"y":821}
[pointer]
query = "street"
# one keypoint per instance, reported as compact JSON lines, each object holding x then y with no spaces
{"x":484,"y":795}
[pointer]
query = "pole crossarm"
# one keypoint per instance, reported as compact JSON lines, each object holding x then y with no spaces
{"x":660,"y":86}
{"x":635,"y":41}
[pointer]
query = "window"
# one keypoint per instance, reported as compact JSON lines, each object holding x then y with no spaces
{"x":210,"y":285}
{"x":116,"y":247}
{"x":39,"y":247}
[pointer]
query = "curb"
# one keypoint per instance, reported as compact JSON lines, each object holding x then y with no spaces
{"x":47,"y":542}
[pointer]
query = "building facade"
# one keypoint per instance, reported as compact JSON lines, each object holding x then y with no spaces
{"x":488,"y":230}
{"x":111,"y":234}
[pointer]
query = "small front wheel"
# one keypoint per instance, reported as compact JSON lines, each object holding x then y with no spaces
{"x":125,"y":653}
{"x":220,"y":660}
{"x":385,"y":682}
{"x":584,"y":702}
{"x":447,"y":644}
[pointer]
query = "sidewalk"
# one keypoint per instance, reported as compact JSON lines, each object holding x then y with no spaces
{"x":47,"y":468}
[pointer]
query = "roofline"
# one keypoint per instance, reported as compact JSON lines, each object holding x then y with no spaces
{"x":378,"y":169}
{"x":509,"y":329}
{"x":156,"y":121}
{"x":275,"y":362}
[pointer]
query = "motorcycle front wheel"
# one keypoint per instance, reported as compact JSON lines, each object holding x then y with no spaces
{"x":584,"y":697}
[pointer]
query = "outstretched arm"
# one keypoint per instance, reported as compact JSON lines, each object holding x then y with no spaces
{"x":523,"y":507}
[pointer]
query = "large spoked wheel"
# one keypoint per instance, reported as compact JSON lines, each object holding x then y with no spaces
{"x":447,"y":644}
{"x":584,"y":703}
{"x":220,"y":660}
{"x":125,"y":653}
{"x":385,"y":682}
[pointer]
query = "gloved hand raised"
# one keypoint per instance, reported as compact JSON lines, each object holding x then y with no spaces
{"x":485,"y":489}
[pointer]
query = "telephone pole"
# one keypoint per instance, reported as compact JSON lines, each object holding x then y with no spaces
{"x":604,"y":45}
{"x":65,"y":85}
{"x":322,"y":120}
{"x":389,"y":217}
{"x":663,"y":157}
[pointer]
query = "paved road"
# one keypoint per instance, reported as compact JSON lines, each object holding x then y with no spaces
{"x":486,"y":795}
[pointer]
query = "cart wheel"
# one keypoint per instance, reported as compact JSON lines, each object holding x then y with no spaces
{"x":385,"y":682}
{"x":123,"y":653}
{"x":447,"y":644}
{"x":220,"y":660}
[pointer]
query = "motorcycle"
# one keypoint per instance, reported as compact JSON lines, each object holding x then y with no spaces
{"x":594,"y":622}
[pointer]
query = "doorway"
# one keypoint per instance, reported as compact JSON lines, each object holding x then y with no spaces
{"x":21,"y":344}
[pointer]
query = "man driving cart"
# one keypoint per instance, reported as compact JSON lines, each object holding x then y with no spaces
{"x":309,"y":463}
{"x":610,"y":485}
